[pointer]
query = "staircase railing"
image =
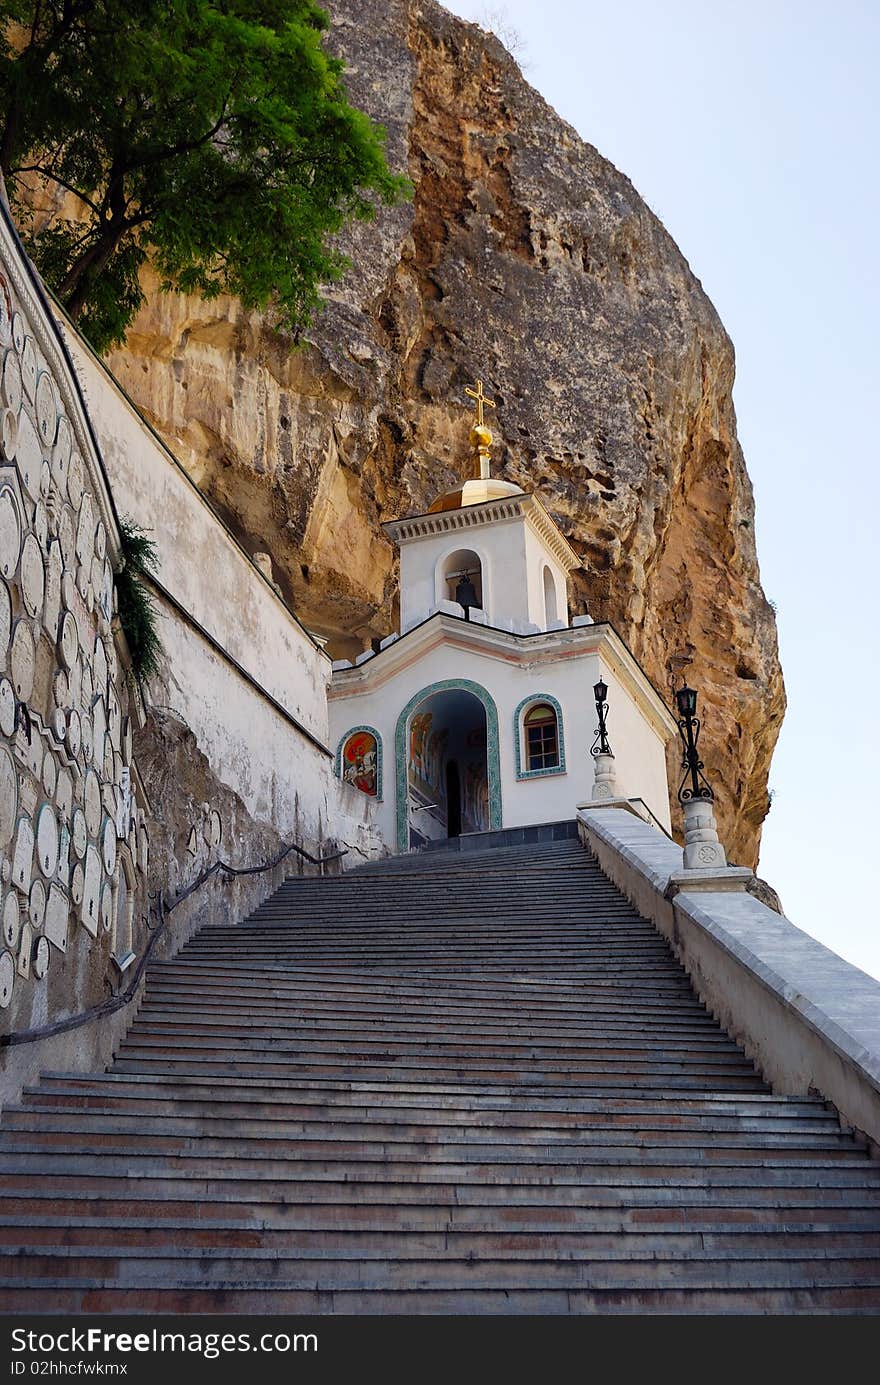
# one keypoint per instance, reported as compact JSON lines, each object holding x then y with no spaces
{"x":118,"y":1002}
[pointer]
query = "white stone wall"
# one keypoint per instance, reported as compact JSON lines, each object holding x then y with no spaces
{"x":537,"y":557}
{"x":513,"y":556}
{"x":228,"y":638}
{"x":73,"y":833}
{"x":369,"y":698}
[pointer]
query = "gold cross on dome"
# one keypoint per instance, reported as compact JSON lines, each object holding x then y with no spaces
{"x":481,"y":399}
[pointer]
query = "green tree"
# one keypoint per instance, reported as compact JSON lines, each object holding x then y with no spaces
{"x":213,"y":137}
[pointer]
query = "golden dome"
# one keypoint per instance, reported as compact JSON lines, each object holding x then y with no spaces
{"x":480,"y":436}
{"x":450,"y":501}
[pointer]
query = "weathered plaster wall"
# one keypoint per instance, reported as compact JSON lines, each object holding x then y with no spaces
{"x":239,"y":671}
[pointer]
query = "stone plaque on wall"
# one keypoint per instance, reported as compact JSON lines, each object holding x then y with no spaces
{"x":22,"y":660}
{"x":47,"y":840}
{"x":7,"y":978}
{"x":5,"y":623}
{"x":8,"y":797}
{"x":11,"y":919}
{"x":23,"y":857}
{"x":57,"y":914}
{"x":7,"y":708}
{"x":10,"y":532}
{"x":89,"y":908}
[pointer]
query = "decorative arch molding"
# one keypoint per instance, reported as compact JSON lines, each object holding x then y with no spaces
{"x":463,"y":543}
{"x":401,"y":752}
{"x":518,"y":736}
{"x":550,"y":597}
{"x":337,"y":762}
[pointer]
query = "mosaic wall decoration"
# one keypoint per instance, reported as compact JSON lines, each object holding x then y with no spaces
{"x":70,"y":826}
{"x":359,"y":760}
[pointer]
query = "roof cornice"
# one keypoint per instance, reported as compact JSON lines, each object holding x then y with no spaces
{"x":508,"y":507}
{"x":526,"y":650}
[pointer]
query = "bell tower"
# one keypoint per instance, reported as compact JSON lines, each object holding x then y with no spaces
{"x":487,"y":551}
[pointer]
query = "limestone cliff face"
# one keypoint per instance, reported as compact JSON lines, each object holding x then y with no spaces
{"x":527,"y":259}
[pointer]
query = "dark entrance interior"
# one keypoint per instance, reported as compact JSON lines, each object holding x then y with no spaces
{"x":453,"y":799}
{"x":447,"y":773}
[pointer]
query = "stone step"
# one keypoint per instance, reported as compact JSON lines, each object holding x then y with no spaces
{"x":305,"y":1118}
{"x":217,"y":1122}
{"x":799,"y":1295}
{"x":295,"y":942}
{"x":200,"y":1268}
{"x":581,"y":1077}
{"x":540,"y":1238}
{"x":547,"y":1083}
{"x":748,"y":1193}
{"x":504,"y":1066}
{"x":561,"y":913}
{"x":273,"y":1019}
{"x":23,"y":1152}
{"x":380,"y":1098}
{"x":322,"y":984}
{"x":374,"y":1140}
{"x":503,"y":969}
{"x":357,"y":992}
{"x":189,"y":1035}
{"x":598,"y":1210}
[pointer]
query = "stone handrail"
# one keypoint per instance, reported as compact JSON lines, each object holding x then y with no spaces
{"x":808,"y":1019}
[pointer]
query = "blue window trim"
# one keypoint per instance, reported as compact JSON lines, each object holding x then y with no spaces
{"x":353,"y":731}
{"x":518,"y":735}
{"x":401,"y":752}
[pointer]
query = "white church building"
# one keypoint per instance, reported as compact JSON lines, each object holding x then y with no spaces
{"x":481,"y":714}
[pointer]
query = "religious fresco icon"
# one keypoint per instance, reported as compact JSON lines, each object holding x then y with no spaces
{"x":359,"y":762}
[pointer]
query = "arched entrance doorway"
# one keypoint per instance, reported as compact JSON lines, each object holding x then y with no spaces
{"x":448,"y":776}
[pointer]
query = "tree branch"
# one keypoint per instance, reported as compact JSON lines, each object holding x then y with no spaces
{"x":55,"y":178}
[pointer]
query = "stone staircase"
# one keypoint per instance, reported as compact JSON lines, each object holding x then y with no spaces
{"x":472,"y":1081}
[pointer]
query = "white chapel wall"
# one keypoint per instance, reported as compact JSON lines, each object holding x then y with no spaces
{"x":638,"y":747}
{"x":538,"y":557}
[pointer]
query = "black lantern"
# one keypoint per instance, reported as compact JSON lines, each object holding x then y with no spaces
{"x":686,"y":701}
{"x":693,"y":784}
{"x":466,"y":595}
{"x":600,"y":745}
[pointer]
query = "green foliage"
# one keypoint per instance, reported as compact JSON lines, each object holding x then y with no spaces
{"x":212,"y":136}
{"x":137,"y":609}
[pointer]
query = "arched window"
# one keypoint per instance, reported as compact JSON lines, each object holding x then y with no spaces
{"x":463,"y":575}
{"x":359,"y":760}
{"x":542,"y":737}
{"x":551,"y":614}
{"x":539,"y":738}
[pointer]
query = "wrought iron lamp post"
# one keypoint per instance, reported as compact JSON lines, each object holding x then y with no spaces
{"x":689,"y":730}
{"x":702,"y":849}
{"x":604,"y":782}
{"x":600,"y":744}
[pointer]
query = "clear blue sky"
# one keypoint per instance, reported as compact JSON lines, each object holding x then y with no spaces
{"x":751,"y":128}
